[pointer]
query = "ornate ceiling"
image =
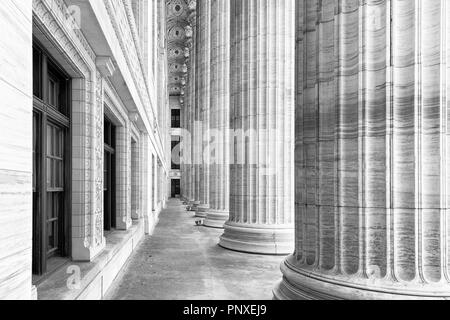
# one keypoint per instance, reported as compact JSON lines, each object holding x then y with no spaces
{"x":178,"y":34}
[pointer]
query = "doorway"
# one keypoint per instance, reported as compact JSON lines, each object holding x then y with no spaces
{"x":176,"y":191}
{"x":109,"y":177}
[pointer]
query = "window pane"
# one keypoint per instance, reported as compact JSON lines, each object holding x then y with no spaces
{"x":60,"y":152}
{"x":57,"y":202}
{"x":50,"y":207}
{"x":51,"y":92}
{"x":35,"y":138}
{"x":52,"y":236}
{"x":49,"y":140}
{"x":37,"y":73}
{"x":54,"y":173}
{"x":49,"y":173}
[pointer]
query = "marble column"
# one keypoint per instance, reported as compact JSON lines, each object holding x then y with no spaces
{"x":192,"y":167}
{"x":371,"y":153}
{"x":202,"y":106}
{"x":184,"y":171}
{"x":186,"y":148}
{"x":262,"y":120}
{"x":219,"y":183}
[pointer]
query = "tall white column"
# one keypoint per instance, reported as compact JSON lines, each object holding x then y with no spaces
{"x":372,"y":162}
{"x":202,"y":106}
{"x":262,"y":117}
{"x":191,"y":167}
{"x":219,"y":183}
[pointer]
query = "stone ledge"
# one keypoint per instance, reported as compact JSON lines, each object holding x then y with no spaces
{"x":98,"y":275}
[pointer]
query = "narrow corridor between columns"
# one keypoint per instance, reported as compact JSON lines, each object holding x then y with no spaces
{"x":183,"y":261}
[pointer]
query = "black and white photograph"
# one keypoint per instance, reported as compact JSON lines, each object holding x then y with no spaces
{"x":248,"y":152}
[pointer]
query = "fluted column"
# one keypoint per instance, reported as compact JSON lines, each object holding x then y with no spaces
{"x":219,"y":183}
{"x":262,"y":120}
{"x":371,"y":153}
{"x":184,"y":155}
{"x":186,"y":113}
{"x":190,"y":113}
{"x":202,"y":106}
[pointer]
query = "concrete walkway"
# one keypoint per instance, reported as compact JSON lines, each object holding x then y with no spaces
{"x":183,"y":262}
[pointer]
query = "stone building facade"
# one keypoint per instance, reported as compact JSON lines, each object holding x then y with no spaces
{"x":315,"y":129}
{"x":84,"y":147}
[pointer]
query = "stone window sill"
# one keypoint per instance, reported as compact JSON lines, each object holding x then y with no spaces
{"x":98,"y":275}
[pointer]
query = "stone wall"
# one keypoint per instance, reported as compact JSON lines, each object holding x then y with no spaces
{"x":109,"y":76}
{"x":15,"y":150}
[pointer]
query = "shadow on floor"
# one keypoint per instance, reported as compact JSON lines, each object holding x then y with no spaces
{"x":182,"y":261}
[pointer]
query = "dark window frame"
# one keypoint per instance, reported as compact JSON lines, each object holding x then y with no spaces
{"x":176,"y":118}
{"x":50,"y":115}
{"x":109,"y":177}
{"x":175,"y":188}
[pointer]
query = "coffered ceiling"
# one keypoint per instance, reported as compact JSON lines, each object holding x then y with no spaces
{"x":178,"y":33}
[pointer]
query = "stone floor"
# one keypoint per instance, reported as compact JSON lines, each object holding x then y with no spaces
{"x":182,"y":261}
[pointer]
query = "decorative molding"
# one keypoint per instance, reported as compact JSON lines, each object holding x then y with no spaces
{"x":120,"y":14}
{"x":106,"y":66}
{"x":53,"y":20}
{"x":133,"y":116}
{"x":179,"y":32}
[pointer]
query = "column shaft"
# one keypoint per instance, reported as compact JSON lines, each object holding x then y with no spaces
{"x":202,"y":106}
{"x":262,"y":120}
{"x":191,"y":101}
{"x":219,"y":182}
{"x":371,"y":154}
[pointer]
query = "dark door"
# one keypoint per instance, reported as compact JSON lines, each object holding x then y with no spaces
{"x":175,"y":188}
{"x":109,"y":176}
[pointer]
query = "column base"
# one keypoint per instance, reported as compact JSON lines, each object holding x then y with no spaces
{"x":202,"y":211}
{"x":136,"y":215}
{"x":259,"y":239}
{"x":216,"y":219}
{"x":298,"y":284}
{"x":192,"y":205}
{"x":149,"y":223}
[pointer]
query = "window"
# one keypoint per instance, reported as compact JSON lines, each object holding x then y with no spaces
{"x":37,"y":75}
{"x":176,"y":159}
{"x":53,"y":91}
{"x":176,"y":116}
{"x":175,"y":192}
{"x":50,"y":85}
{"x":51,"y":169}
{"x":109,"y":175}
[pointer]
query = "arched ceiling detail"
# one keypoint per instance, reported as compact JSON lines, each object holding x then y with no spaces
{"x":178,"y":33}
